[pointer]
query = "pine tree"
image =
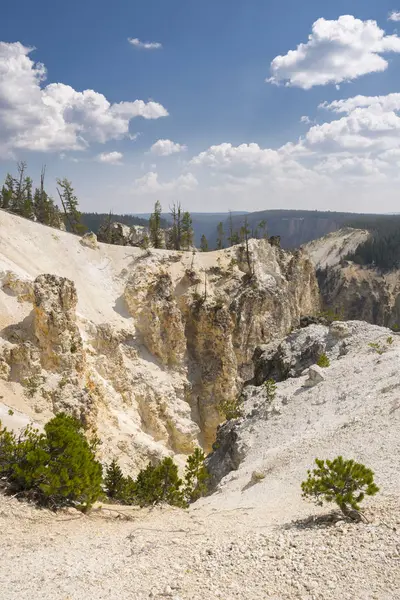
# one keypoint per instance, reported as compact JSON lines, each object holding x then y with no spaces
{"x":196,"y":476}
{"x":175,"y":234}
{"x":114,"y":481}
{"x":7,"y":192}
{"x":187,"y":231}
{"x":203,"y":243}
{"x":263,"y":226}
{"x":244,"y":235}
{"x":55,"y":468}
{"x":155,"y":226}
{"x":220,"y":235}
{"x":70,"y":206}
{"x":344,"y":482}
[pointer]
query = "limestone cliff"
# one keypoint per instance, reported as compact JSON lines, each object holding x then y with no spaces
{"x":354,"y":292}
{"x":144,"y":346}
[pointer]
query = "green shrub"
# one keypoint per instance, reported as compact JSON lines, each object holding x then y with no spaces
{"x":159,"y":483}
{"x":114,"y":481}
{"x":389,"y":340}
{"x":270,"y":389}
{"x":344,"y":482}
{"x":230,"y":409}
{"x":196,"y":476}
{"x":55,"y":468}
{"x":377,"y":347}
{"x":323,"y":361}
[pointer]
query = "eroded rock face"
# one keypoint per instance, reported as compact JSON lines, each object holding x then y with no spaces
{"x":122,"y":235}
{"x":55,"y":326}
{"x":157,"y":383}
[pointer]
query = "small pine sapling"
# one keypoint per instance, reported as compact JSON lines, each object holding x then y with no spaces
{"x":323,"y":361}
{"x":196,"y":476}
{"x":270,"y":389}
{"x":344,"y":482}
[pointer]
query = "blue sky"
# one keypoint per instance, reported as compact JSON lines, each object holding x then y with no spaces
{"x":226,"y":129}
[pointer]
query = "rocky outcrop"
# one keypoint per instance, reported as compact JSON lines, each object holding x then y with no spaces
{"x":149,"y":348}
{"x":309,"y":401}
{"x":349,"y":290}
{"x":123,"y":235}
{"x":55,"y":326}
{"x":89,"y":240}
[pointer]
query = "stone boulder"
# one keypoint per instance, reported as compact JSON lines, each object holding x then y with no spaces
{"x":123,"y":235}
{"x":89,"y":240}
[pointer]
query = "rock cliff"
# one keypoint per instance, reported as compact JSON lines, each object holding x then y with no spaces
{"x":146,"y":347}
{"x":354,"y":292}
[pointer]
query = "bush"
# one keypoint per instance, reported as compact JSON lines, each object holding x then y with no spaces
{"x":344,"y":482}
{"x":270,"y":389}
{"x":114,"y":481}
{"x":230,"y":409}
{"x":55,"y":468}
{"x":196,"y":476}
{"x":323,"y":361}
{"x":159,"y":483}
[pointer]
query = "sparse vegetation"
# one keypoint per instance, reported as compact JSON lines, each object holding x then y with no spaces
{"x":32,"y":384}
{"x":323,"y":361}
{"x":389,"y":340}
{"x":344,"y":482}
{"x":231,"y":409}
{"x":270,"y":389}
{"x":377,"y":347}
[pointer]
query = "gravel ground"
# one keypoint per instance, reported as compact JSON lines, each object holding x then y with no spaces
{"x":197,"y":555}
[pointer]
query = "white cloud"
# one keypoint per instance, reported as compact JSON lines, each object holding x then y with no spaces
{"x":111,"y":158}
{"x":394,"y":16}
{"x":57,"y":117}
{"x":166,"y":148}
{"x":370,"y":124}
{"x":225,"y":156}
{"x":336,"y":51}
{"x":306,"y":120}
{"x":144,"y":45}
{"x":150,"y":184}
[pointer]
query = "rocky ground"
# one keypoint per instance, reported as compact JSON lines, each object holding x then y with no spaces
{"x":251,"y":539}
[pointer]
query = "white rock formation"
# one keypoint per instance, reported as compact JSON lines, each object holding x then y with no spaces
{"x":144,"y":346}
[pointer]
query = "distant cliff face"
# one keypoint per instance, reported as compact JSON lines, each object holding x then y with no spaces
{"x":354,"y":292}
{"x":145,"y":347}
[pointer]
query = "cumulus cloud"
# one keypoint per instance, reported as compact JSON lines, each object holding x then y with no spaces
{"x":145,"y":45}
{"x":369,"y":124}
{"x":150,"y":183}
{"x":336,"y":51}
{"x":394,"y":15}
{"x":111,"y":158}
{"x":166,"y":148}
{"x":56,"y":117}
{"x":225,"y":156}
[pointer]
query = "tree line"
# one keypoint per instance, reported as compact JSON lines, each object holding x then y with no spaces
{"x":18,"y":196}
{"x":180,"y":234}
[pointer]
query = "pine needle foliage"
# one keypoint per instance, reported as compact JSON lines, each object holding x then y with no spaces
{"x":270,"y":389}
{"x":344,"y":482}
{"x":196,"y":476}
{"x":323,"y":361}
{"x":55,"y":468}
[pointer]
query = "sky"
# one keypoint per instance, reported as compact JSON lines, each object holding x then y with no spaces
{"x":223,"y":104}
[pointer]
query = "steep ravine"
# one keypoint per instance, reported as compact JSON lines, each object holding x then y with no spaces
{"x":143,"y":346}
